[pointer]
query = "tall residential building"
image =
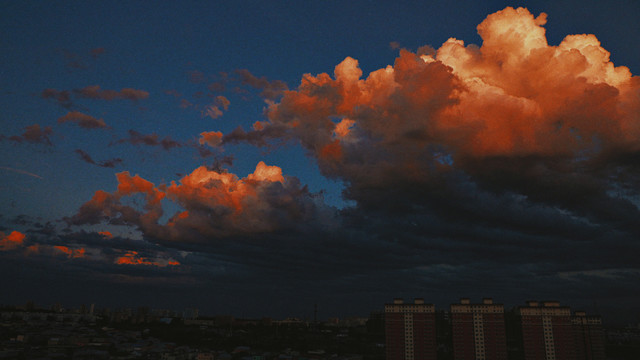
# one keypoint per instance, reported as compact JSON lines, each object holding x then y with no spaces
{"x":410,"y":330}
{"x":547,"y":331}
{"x":478,"y":330}
{"x":588,"y":336}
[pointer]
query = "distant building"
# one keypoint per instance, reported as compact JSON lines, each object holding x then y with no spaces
{"x":478,"y":330}
{"x":588,"y":336}
{"x":190,"y":314}
{"x":547,"y":331}
{"x":410,"y":330}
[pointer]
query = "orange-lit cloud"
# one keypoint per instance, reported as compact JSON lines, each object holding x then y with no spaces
{"x":95,"y":92}
{"x":508,"y":115}
{"x":215,"y":203}
{"x":132,"y":258}
{"x":32,"y":249}
{"x":222,"y":189}
{"x":267,"y":173}
{"x":343,"y":128}
{"x":71,"y":253}
{"x":223,"y":101}
{"x":106,"y":234}
{"x":83,"y":120}
{"x":128,"y":185}
{"x":331,"y":151}
{"x":211,"y":138}
{"x":179,"y":216}
{"x":16,"y":244}
{"x":514,"y":96}
{"x":525,"y":97}
{"x":16,"y":241}
{"x":213,"y":110}
{"x":12,"y":241}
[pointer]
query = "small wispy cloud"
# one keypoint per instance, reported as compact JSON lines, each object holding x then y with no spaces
{"x":21,"y":172}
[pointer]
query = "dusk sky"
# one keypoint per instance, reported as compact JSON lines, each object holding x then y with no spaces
{"x":255,"y":158}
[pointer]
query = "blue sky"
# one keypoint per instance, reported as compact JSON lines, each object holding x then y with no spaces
{"x":188,"y":57}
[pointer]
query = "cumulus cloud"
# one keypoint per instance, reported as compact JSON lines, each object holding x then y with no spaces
{"x":211,"y":138}
{"x":216,"y":204}
{"x":515,"y":122}
{"x":83,"y":120}
{"x":513,"y":115}
{"x":12,"y":241}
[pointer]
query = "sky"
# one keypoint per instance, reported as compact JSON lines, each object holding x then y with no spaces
{"x":255,"y":158}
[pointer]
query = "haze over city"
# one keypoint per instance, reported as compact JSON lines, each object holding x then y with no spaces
{"x":257,"y":158}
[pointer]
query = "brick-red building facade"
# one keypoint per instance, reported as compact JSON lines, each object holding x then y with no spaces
{"x":547,"y":331}
{"x":588,"y":336}
{"x":478,"y":331}
{"x":410,"y":331}
{"x":539,"y":331}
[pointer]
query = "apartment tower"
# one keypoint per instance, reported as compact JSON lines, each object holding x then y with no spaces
{"x":410,"y":330}
{"x":588,"y":336}
{"x":547,"y":331}
{"x":478,"y":330}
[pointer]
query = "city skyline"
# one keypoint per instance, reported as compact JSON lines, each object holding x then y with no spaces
{"x":259,"y":158}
